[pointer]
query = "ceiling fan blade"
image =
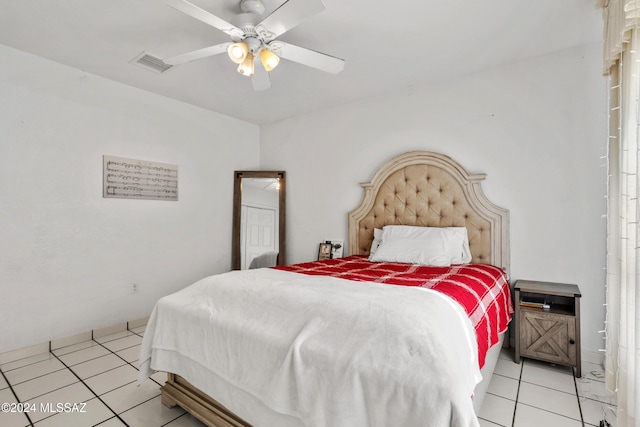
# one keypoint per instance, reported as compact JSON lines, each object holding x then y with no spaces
{"x":197,"y":54}
{"x":310,"y":58}
{"x":202,"y":15}
{"x":260,"y":79}
{"x":290,"y":14}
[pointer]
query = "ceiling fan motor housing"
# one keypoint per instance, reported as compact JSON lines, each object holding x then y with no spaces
{"x":251,"y":16}
{"x":252,"y":6}
{"x":255,"y":45}
{"x":247,"y":21}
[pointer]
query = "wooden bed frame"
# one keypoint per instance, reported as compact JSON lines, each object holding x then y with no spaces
{"x":416,"y":188}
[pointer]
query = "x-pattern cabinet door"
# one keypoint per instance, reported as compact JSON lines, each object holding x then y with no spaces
{"x":547,"y":336}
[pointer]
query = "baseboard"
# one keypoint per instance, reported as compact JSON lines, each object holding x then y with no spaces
{"x":21,"y":353}
{"x":594,"y":357}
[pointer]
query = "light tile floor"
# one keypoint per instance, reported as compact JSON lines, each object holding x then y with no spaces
{"x":534,"y":393}
{"x":103,"y":374}
{"x":100,"y":373}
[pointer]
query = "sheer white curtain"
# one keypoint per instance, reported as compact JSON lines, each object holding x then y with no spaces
{"x":622,"y":63}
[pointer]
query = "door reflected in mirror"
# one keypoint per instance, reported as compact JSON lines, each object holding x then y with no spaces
{"x":258,"y":219}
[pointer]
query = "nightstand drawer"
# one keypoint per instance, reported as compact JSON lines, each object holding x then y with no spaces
{"x":549,"y":337}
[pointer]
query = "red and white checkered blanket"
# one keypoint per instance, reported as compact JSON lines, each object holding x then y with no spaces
{"x":481,"y":289}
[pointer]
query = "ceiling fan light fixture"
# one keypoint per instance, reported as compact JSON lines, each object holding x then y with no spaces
{"x":269,"y":59}
{"x":246,"y":67}
{"x":238,"y":52}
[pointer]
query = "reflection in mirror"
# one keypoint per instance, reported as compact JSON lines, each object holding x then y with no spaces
{"x":258,"y":219}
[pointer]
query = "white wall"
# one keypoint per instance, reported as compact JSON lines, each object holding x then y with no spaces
{"x":68,"y":257}
{"x":536,"y":128}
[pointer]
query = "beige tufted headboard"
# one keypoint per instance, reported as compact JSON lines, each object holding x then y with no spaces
{"x":430,"y":189}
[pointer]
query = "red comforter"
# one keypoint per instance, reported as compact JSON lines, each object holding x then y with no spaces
{"x":481,"y":289}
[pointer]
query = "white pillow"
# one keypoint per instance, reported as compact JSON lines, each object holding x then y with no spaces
{"x":416,"y":245}
{"x":461,"y":254}
{"x":377,"y":238}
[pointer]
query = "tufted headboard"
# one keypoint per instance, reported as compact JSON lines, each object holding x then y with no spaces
{"x":430,"y":189}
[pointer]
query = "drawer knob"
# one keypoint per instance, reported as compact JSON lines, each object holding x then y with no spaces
{"x":572,"y":341}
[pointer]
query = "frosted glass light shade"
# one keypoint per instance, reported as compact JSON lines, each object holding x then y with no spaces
{"x":246,"y":68}
{"x":238,"y":52}
{"x":269,"y":59}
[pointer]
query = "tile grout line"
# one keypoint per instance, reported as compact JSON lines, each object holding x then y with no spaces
{"x":554,"y":413}
{"x":549,"y":388}
{"x":52,"y":350}
{"x":23,"y":366}
{"x":176,"y":418}
{"x":36,"y":377}
{"x":16,"y":396}
{"x":49,"y":343}
{"x":91,"y":390}
{"x":66,"y":354}
{"x":515,"y":407}
{"x":70,"y":368}
{"x":575,"y":384}
{"x":554,"y":389}
{"x":134,"y":367}
{"x":132,"y":364}
{"x":86,"y":385}
{"x":126,"y":363}
{"x":122,"y":358}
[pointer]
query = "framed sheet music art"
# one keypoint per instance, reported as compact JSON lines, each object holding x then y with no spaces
{"x":139,"y":179}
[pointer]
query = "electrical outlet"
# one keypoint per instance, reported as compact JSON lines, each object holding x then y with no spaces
{"x":134,"y":288}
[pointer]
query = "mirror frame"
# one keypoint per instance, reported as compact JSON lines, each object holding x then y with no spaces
{"x":236,"y":256}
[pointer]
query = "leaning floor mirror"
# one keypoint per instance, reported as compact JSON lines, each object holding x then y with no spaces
{"x":258,"y":238}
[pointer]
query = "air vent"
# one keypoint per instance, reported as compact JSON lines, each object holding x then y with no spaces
{"x":150,"y":62}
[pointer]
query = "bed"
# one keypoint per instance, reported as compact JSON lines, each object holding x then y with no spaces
{"x":412,"y":353}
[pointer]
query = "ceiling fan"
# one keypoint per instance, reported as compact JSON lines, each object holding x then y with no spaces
{"x":254,"y":37}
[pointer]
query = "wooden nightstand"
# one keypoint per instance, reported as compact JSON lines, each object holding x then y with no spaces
{"x":548,"y":322}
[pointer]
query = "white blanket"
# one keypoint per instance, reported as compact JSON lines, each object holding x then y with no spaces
{"x":324,"y":350}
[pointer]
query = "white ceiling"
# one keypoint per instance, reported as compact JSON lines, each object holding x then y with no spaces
{"x":387,"y":45}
